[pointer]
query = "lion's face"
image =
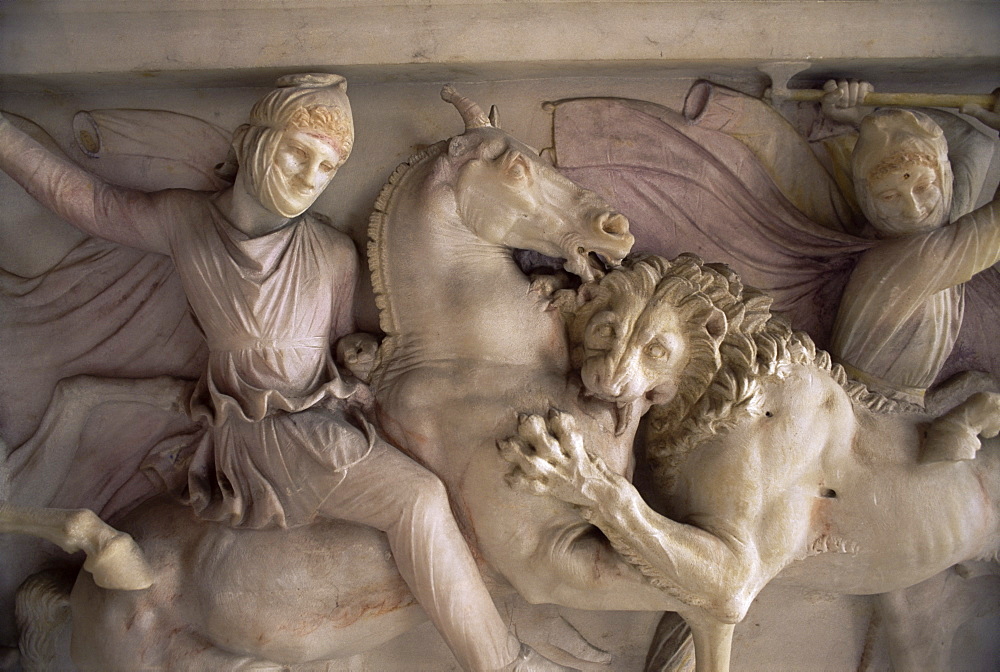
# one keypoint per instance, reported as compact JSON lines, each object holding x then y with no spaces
{"x":632,"y":349}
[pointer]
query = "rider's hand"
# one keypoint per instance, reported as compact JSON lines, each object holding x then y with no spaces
{"x":843,"y":100}
{"x":357,"y":352}
{"x":989,"y":117}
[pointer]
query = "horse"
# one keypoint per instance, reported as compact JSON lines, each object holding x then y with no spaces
{"x":784,"y":466}
{"x":213,"y":604}
{"x":460,"y":354}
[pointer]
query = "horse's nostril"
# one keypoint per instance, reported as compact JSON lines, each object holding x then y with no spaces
{"x":616,"y":225}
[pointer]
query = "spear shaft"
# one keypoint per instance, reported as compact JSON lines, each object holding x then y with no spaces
{"x":955,"y":100}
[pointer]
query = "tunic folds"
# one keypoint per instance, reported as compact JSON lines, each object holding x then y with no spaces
{"x":281,"y":421}
{"x":281,"y":434}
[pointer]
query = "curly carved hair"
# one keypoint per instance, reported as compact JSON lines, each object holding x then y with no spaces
{"x":757,"y":344}
{"x":332,"y":122}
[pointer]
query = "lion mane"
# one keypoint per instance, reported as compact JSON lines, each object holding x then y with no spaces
{"x":722,"y":381}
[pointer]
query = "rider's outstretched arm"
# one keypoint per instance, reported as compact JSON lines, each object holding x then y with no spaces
{"x":95,"y":207}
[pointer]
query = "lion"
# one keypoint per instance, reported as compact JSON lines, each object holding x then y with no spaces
{"x":766,"y":458}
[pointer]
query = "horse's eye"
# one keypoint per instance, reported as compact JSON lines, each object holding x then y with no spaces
{"x":656,"y":351}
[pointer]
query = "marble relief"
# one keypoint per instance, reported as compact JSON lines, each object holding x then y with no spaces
{"x":534,"y":398}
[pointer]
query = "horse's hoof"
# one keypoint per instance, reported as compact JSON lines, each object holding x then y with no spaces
{"x":120,"y":565}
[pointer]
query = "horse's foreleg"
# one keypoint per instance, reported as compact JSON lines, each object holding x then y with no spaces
{"x":955,"y":435}
{"x":713,"y":643}
{"x":112,"y":556}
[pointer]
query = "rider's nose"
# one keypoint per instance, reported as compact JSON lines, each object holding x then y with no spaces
{"x":911,"y":207}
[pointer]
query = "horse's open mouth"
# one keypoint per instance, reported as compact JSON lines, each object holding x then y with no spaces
{"x":590,"y":265}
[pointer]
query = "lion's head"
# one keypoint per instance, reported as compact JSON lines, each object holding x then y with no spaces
{"x":651,"y":330}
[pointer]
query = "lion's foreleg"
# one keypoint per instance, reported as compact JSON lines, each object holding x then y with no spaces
{"x":695,"y":566}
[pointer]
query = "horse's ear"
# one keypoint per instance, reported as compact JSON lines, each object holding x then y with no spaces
{"x":494,"y":117}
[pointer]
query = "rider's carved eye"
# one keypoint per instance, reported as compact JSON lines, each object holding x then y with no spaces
{"x":656,"y":350}
{"x":327,"y":167}
{"x":299,"y":153}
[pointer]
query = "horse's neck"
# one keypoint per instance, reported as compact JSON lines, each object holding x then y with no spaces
{"x":450,"y":296}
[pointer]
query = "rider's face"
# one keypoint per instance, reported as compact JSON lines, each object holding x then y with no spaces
{"x":908,"y":200}
{"x":303,"y":166}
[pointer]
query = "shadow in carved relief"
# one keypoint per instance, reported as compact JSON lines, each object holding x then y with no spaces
{"x":522,"y":397}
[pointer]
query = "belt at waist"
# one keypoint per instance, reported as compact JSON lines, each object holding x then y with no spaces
{"x":238,"y":343}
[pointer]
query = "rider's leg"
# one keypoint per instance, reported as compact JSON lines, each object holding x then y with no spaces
{"x":391,"y":492}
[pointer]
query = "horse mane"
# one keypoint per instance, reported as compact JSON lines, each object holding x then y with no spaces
{"x":757,"y":344}
{"x":378,"y":223}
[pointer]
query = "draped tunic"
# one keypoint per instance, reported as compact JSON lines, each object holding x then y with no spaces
{"x":902,"y":309}
{"x":281,"y":429}
{"x":269,"y":306}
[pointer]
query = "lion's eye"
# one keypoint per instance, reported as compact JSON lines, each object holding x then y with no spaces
{"x":606,"y":331}
{"x":656,"y":351}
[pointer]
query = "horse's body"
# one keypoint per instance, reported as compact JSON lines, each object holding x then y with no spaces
{"x":469,"y":343}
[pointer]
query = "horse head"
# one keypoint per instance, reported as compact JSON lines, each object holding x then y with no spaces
{"x":507,"y":194}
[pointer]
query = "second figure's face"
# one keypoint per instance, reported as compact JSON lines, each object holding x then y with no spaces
{"x":303,"y":166}
{"x":908,"y":200}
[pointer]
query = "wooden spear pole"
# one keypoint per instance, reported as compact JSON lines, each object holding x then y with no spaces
{"x":876,"y":99}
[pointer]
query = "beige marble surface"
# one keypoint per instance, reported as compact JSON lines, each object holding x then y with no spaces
{"x":210,"y":58}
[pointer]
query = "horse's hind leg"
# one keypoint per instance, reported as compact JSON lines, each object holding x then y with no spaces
{"x":922,"y":620}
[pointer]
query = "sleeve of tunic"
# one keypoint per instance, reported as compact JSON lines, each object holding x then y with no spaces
{"x":346,"y":284}
{"x":962,"y":249}
{"x":970,"y":153}
{"x":95,"y":207}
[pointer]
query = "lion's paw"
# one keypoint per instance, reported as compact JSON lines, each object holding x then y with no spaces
{"x":549,"y":457}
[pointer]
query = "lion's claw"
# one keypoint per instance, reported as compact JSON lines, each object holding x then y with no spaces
{"x":549,"y":457}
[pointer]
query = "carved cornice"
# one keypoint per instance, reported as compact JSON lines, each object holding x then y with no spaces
{"x":220,"y":41}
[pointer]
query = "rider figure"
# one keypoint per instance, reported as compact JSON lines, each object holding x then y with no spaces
{"x":902,"y":309}
{"x":272,"y":287}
